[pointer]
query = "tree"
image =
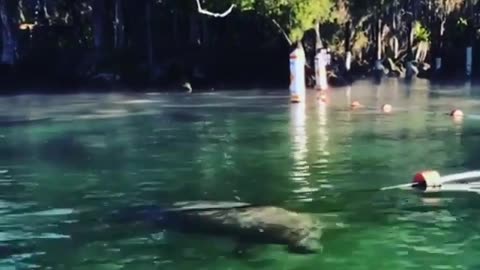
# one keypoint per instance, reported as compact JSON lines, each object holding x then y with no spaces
{"x":9,"y":21}
{"x":292,"y":17}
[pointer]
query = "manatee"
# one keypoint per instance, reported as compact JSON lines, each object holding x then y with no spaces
{"x":245,"y":223}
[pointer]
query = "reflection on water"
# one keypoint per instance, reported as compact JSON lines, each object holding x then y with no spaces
{"x":94,"y":154}
{"x":301,"y":167}
{"x":322,"y":143}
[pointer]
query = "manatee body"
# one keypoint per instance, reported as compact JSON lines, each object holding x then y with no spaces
{"x":245,"y":223}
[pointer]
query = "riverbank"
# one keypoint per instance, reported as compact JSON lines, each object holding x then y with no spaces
{"x":184,"y":76}
{"x":76,"y":88}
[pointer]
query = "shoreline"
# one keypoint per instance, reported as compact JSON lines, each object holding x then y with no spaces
{"x":54,"y":88}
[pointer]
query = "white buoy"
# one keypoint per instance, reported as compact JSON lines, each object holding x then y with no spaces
{"x":468,"y":64}
{"x":321,"y":60}
{"x":297,"y":76}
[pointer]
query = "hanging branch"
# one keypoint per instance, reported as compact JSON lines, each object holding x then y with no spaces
{"x":208,"y":13}
{"x":285,"y":35}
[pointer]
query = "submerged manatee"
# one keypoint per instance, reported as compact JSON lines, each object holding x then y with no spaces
{"x":245,"y":223}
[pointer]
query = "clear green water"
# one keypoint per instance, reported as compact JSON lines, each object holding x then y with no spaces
{"x":99,"y":153}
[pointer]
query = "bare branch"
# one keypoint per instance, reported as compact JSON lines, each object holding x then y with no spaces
{"x":208,"y":13}
{"x":282,"y":30}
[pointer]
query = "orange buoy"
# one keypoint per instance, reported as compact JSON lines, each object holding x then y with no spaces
{"x":387,"y":108}
{"x":427,"y":179}
{"x":322,"y":96}
{"x":356,"y":104}
{"x":456,"y":113}
{"x":295,"y":99}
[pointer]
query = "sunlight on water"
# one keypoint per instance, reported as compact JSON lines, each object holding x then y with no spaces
{"x":301,"y":168}
{"x":322,"y":143}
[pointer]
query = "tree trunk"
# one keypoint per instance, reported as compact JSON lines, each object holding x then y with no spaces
{"x":98,"y":13}
{"x":194,"y":29}
{"x":437,"y":43}
{"x":148,"y":28}
{"x":8,"y":9}
{"x":395,"y":30}
{"x":379,"y":39}
{"x":409,"y":40}
{"x":318,"y":41}
{"x":175,"y":28}
{"x":470,"y":37}
{"x":46,"y":14}
{"x":41,"y":12}
{"x":119,"y":25}
{"x":410,"y":69}
{"x":411,"y":30}
{"x":348,"y":53}
{"x":205,"y":32}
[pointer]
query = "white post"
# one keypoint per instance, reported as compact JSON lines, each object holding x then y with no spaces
{"x":297,"y":76}
{"x":468,"y":64}
{"x":348,"y":61}
{"x":321,"y":82}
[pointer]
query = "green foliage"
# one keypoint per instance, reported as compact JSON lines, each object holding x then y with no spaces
{"x":293,"y":16}
{"x":462,"y":24}
{"x":421,"y":32}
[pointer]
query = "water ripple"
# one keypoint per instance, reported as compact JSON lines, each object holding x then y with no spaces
{"x":21,"y":235}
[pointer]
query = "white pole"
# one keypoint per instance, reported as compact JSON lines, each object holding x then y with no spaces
{"x":297,"y":76}
{"x":321,"y":60}
{"x":348,"y":61}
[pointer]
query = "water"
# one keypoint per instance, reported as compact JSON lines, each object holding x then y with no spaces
{"x":89,"y":155}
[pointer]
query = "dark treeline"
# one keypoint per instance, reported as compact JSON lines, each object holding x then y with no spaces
{"x":169,"y":42}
